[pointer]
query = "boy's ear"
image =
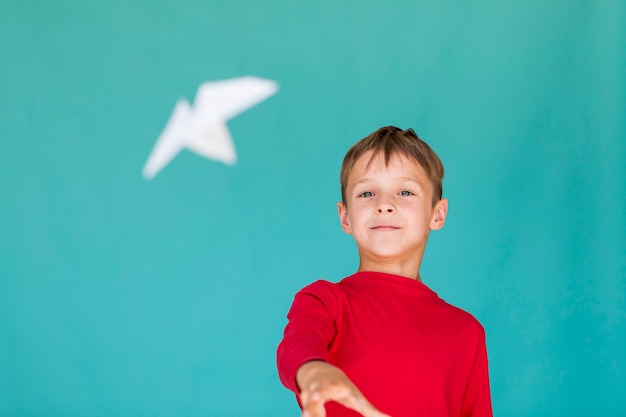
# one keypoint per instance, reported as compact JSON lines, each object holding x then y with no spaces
{"x":343,"y":218}
{"x":439,"y":214}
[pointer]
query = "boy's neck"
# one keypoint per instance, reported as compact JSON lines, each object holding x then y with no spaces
{"x":408,"y":271}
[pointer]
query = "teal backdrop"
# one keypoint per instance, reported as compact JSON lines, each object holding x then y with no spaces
{"x":126,"y":297}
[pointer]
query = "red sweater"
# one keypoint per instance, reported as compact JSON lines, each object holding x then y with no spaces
{"x":408,"y":351}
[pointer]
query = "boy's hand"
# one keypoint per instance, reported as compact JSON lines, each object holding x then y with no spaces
{"x":320,"y":382}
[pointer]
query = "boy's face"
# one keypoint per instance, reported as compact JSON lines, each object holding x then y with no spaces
{"x":389,"y":211}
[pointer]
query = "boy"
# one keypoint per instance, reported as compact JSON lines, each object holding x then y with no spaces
{"x":380,"y":343}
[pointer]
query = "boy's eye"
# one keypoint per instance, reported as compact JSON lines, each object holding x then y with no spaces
{"x":366,"y":194}
{"x":405,"y":193}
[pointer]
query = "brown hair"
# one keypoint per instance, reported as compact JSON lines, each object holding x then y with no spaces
{"x":391,"y":140}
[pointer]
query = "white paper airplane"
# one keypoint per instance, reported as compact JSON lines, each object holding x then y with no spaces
{"x":202,"y":128}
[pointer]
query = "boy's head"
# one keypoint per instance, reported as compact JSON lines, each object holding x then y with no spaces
{"x":390,"y":141}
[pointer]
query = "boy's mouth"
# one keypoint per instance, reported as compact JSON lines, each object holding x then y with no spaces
{"x":385,"y":227}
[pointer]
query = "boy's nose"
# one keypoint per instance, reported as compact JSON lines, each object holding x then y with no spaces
{"x":385,"y":207}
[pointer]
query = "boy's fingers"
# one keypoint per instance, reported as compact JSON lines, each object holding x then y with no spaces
{"x":370,"y":411}
{"x":360,"y":404}
{"x":313,"y":403}
{"x":357,"y":402}
{"x":333,"y":386}
{"x":314,"y":409}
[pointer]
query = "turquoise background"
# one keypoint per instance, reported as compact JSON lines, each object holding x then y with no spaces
{"x":126,"y":297}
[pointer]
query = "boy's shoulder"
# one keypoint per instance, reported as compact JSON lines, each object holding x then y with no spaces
{"x":320,"y":290}
{"x":466,"y":320}
{"x":393,"y":293}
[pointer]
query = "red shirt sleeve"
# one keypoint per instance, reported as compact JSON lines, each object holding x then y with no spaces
{"x":309,"y":331}
{"x":477,"y":399}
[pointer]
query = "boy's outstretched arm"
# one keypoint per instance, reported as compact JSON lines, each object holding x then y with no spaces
{"x":320,"y":382}
{"x":303,"y":354}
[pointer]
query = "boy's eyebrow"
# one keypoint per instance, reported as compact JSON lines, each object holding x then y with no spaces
{"x":362,"y":180}
{"x":409,"y":179}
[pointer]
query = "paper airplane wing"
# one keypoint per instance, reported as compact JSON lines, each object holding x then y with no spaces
{"x":214,"y":143}
{"x":223,"y":100}
{"x":203,"y":128}
{"x":170,"y":142}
